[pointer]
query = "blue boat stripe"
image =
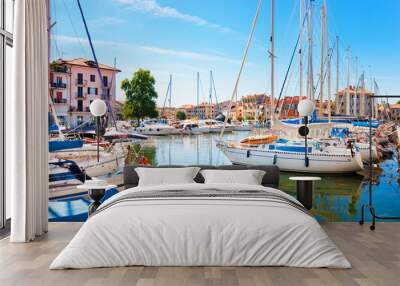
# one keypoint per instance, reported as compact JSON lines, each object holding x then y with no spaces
{"x":287,"y":158}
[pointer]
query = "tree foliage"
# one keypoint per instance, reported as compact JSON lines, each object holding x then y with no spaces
{"x":180,"y":115}
{"x":140,"y":96}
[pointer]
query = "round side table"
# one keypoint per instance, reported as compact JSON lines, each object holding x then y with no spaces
{"x":305,"y":190}
{"x":96,"y":193}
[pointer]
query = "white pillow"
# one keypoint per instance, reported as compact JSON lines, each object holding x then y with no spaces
{"x":248,"y":177}
{"x":166,"y":176}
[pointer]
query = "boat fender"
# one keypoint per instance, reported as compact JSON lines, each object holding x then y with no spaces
{"x":248,"y":153}
{"x":275,"y":159}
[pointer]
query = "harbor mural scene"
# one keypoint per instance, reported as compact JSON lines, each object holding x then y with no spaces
{"x":316,"y":111}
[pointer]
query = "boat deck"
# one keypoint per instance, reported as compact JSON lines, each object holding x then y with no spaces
{"x":375,"y":257}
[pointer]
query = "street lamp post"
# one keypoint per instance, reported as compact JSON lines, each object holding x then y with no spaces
{"x":305,"y":109}
{"x":98,"y":108}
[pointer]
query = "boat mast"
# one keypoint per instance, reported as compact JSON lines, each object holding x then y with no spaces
{"x":211,"y":88}
{"x":310,"y":81}
{"x":301,"y":51}
{"x":167,"y":96}
{"x":272,"y":54}
{"x":356,"y":88}
{"x":348,"y":83}
{"x":198,"y":95}
{"x":329,"y":55}
{"x":337,"y":68}
{"x":321,"y":68}
{"x":170,"y":91}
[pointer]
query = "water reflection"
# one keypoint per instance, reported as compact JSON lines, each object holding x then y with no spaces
{"x":336,"y":197}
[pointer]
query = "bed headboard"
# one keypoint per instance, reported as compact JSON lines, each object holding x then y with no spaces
{"x":270,"y":179}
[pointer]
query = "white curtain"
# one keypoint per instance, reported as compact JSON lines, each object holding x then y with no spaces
{"x":26,"y":123}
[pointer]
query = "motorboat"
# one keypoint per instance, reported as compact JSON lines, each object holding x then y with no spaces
{"x":242,"y":126}
{"x":190,"y":128}
{"x":151,"y":127}
{"x":115,"y":134}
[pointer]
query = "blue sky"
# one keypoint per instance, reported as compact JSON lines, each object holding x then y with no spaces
{"x":183,"y":37}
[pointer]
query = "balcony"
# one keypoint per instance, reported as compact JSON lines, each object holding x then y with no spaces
{"x":80,"y":96}
{"x":76,"y":109}
{"x":60,"y":101}
{"x":59,"y":69}
{"x":81,"y":82}
{"x":58,"y":85}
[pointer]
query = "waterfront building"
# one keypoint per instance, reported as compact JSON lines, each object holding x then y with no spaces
{"x":353,"y":101}
{"x":255,"y":107}
{"x":74,"y":84}
{"x":188,"y":109}
{"x":288,"y":107}
{"x":168,"y":113}
{"x":202,"y":111}
{"x":238,"y":115}
{"x":118,"y":108}
{"x":395,"y":111}
{"x":223,"y":107}
{"x":205,"y":110}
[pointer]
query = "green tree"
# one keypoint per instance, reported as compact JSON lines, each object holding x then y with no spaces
{"x":140,"y":96}
{"x":180,"y":115}
{"x":398,"y":102}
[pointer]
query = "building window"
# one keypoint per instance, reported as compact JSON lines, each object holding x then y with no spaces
{"x":80,"y":91}
{"x":80,"y":78}
{"x":92,"y":90}
{"x":105,"y":80}
{"x":80,"y":105}
{"x":92,"y":77}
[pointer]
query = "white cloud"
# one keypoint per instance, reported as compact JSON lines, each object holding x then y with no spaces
{"x":152,"y":7}
{"x":149,"y":49}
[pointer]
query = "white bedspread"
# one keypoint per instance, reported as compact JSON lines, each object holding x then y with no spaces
{"x":200,"y":231}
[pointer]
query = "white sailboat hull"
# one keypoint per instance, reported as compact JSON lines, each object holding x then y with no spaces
{"x":156,"y":130}
{"x":242,"y":128}
{"x":294,"y":162}
{"x":364,"y":150}
{"x":195,"y":131}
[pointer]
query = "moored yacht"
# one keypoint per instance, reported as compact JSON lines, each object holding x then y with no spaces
{"x":290,"y":156}
{"x":242,"y":126}
{"x":190,"y":128}
{"x":214,"y":126}
{"x":152,"y":127}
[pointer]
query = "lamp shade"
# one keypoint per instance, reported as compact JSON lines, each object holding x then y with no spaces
{"x":305,"y":107}
{"x":98,"y":107}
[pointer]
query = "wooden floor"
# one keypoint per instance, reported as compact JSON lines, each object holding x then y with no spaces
{"x":375,"y":257}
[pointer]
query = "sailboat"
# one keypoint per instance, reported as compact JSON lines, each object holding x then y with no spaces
{"x":292,"y":155}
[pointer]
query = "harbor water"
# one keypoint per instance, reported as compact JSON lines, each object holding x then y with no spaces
{"x":336,"y":197}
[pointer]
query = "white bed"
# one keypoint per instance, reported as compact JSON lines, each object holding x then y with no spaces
{"x":209,"y":230}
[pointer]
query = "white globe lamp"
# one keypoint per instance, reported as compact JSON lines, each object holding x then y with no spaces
{"x":305,"y":107}
{"x":98,"y":108}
